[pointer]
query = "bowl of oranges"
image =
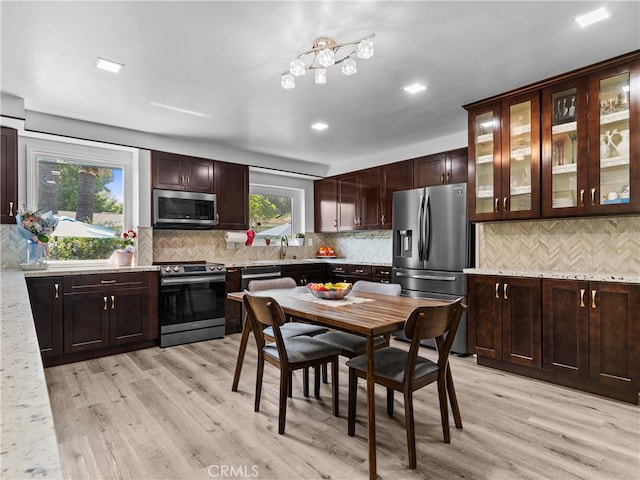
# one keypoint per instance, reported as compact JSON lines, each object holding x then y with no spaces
{"x":330,"y":291}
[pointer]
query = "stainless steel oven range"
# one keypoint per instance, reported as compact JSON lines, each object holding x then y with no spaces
{"x":191,"y":302}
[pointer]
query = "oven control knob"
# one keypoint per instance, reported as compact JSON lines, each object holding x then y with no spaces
{"x":219,"y":267}
{"x":167,"y":269}
{"x":176,"y":269}
{"x":211,"y":267}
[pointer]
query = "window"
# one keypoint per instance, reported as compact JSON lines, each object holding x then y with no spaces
{"x":275,"y":212}
{"x":90,"y":192}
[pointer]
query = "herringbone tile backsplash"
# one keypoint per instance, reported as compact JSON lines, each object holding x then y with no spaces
{"x":581,"y":245}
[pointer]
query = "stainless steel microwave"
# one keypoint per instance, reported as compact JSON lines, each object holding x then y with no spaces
{"x":184,"y":210}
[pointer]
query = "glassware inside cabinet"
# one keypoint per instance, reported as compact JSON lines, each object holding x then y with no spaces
{"x":614,"y":139}
{"x":520,"y":156}
{"x":484,"y":127}
{"x":564,"y":136}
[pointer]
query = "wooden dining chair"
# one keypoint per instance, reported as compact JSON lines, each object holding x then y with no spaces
{"x":406,"y":371}
{"x":289,"y":329}
{"x":286,"y":353}
{"x":352,"y":345}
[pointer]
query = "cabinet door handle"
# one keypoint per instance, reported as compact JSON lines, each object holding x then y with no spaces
{"x":11,"y":209}
{"x":593,"y":299}
{"x":448,"y":177}
{"x":497,"y":289}
{"x":504,"y":204}
{"x":104,"y":306}
{"x":504,"y":291}
{"x":593,"y":197}
{"x":582,"y":297}
{"x":335,"y":222}
{"x":442,"y":178}
{"x":181,"y":182}
{"x":582,"y":197}
{"x":113,"y":302}
{"x":217,"y":218}
{"x":383,"y":218}
{"x":56,"y":286}
{"x":496,"y":205}
{"x":188,"y":182}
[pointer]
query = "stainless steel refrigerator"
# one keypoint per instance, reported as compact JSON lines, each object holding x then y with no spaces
{"x":432,"y":244}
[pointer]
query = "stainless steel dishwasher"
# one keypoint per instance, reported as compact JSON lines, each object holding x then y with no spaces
{"x":258,"y":273}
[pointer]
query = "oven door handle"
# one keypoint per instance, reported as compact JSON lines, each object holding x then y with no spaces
{"x":192,"y":280}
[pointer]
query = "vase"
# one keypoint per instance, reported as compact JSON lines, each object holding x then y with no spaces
{"x":36,"y":256}
{"x":124,"y":259}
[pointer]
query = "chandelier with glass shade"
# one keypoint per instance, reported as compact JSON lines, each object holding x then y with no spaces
{"x":326,"y":53}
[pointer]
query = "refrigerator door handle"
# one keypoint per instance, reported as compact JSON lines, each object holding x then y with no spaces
{"x":427,"y":222}
{"x":421,"y":229}
{"x":425,"y":277}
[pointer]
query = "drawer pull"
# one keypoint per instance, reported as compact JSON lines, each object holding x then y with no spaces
{"x":593,"y":299}
{"x":383,"y":272}
{"x":107,"y":282}
{"x":104,"y":307}
{"x":56,"y":286}
{"x":359,"y":270}
{"x":582,"y":297}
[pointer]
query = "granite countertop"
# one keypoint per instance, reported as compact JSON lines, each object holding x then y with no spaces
{"x":597,"y":277}
{"x":28,"y":445}
{"x":55,"y":270}
{"x":299,"y":261}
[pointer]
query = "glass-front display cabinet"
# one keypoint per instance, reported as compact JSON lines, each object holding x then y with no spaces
{"x":521,"y":157}
{"x":614,"y":146}
{"x":484,"y":163}
{"x":564,"y":149}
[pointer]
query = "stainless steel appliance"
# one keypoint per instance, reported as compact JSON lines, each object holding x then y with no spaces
{"x":261,"y":272}
{"x":182,"y":210}
{"x":191,"y":302}
{"x":432,"y":243}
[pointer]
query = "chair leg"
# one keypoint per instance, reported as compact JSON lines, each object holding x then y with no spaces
{"x":353,"y":390}
{"x":285,"y":383}
{"x":305,"y":382}
{"x":335,"y":391}
{"x":390,"y":401}
{"x":244,"y":339}
{"x":444,"y":413}
{"x":260,"y":370}
{"x":316,"y":382}
{"x":290,"y":387}
{"x":411,"y":428}
{"x":453,"y":399}
{"x":325,"y":373}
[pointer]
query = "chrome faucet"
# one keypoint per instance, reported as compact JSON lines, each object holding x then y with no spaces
{"x":284,"y":241}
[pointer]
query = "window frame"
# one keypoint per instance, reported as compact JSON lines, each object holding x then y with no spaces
{"x":89,"y":153}
{"x":297,"y":203}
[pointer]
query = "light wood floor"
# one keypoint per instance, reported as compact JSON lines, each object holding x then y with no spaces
{"x":170,"y":413}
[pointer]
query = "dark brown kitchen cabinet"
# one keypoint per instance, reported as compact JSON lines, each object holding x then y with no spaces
{"x":504,"y":153}
{"x":45,"y":296}
{"x":325,"y":193}
{"x":381,"y":274}
{"x":359,"y":200}
{"x":505,"y":319}
{"x":592,"y":331}
{"x":232,"y":309}
{"x":105,"y":310}
{"x":394,"y":177}
{"x":441,"y":168}
{"x":172,"y":171}
{"x":231,"y":186}
{"x":338,"y":272}
{"x":9,"y":175}
{"x":306,"y":272}
{"x":357,"y":272}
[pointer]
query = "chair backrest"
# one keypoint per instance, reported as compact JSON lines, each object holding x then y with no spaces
{"x":265,"y":311}
{"x":439,"y":322}
{"x":271,"y":283}
{"x":392,"y":289}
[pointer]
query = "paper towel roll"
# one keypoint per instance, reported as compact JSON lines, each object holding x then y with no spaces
{"x":235,"y":237}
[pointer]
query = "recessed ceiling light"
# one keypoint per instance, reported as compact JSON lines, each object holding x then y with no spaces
{"x":181,"y":110}
{"x":319,"y":126}
{"x":592,"y":17}
{"x":414,"y":88}
{"x":108,"y":65}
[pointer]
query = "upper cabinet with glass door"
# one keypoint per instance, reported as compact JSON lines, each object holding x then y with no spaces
{"x":614,"y":143}
{"x":564,"y":149}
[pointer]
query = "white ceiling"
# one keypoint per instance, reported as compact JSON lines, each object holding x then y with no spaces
{"x":224,"y":59}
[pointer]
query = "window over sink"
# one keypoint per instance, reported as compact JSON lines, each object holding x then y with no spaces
{"x":275,"y":212}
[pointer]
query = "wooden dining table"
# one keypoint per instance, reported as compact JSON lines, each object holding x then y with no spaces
{"x":365,"y":314}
